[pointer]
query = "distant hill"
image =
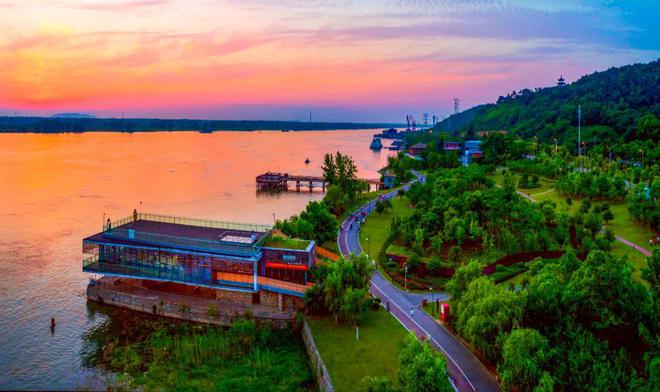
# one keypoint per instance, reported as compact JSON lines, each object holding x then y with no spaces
{"x":459,"y":121}
{"x":612,"y":102}
{"x":72,"y":115}
{"x":62,"y":124}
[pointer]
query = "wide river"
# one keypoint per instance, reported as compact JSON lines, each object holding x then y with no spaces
{"x":55,"y":190}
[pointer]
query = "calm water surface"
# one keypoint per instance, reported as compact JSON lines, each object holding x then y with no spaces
{"x":54,"y":190}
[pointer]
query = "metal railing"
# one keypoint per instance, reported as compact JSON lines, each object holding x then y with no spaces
{"x":196,"y":244}
{"x":194,"y":222}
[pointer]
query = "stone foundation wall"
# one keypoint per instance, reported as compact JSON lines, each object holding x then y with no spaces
{"x":184,"y":311}
{"x":323,"y":379}
{"x":234,"y":296}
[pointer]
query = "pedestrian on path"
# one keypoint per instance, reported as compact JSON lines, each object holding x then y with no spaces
{"x":412,"y":311}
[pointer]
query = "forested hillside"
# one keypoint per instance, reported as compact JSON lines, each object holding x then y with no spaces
{"x":620,"y":104}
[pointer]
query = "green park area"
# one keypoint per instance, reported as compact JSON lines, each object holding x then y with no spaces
{"x":376,"y":229}
{"x":622,"y":225}
{"x":375,"y":353}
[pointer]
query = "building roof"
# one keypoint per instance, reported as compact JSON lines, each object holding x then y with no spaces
{"x":183,"y":236}
{"x":418,"y":146}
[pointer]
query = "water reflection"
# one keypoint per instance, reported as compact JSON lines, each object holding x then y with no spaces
{"x":55,"y":188}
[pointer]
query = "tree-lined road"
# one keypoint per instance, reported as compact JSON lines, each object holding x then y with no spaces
{"x":466,"y":371}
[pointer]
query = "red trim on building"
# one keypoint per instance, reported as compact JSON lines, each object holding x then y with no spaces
{"x":297,"y":267}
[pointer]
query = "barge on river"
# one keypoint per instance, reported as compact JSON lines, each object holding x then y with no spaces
{"x":198,"y":269}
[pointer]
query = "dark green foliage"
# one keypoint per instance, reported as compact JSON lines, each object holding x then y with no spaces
{"x":316,"y":223}
{"x":486,"y":313}
{"x":524,"y":356}
{"x":503,"y":272}
{"x":342,"y":288}
{"x":463,"y":205}
{"x":383,"y":205}
{"x":172,"y":355}
{"x":617,"y":104}
{"x":601,"y":184}
{"x":422,"y":368}
{"x":63,"y":124}
{"x":582,"y":323}
{"x":644,"y":203}
{"x":376,"y":384}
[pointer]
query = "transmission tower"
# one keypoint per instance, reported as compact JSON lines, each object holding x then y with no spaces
{"x":457,"y":105}
{"x":426,"y":120}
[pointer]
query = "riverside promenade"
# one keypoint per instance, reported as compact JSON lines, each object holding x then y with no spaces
{"x":466,"y":371}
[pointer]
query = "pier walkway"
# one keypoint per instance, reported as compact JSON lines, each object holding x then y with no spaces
{"x":275,"y":181}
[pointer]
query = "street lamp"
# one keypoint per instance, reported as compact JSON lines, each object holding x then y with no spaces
{"x":405,"y":276}
{"x":369,"y":241}
{"x":432,"y":302}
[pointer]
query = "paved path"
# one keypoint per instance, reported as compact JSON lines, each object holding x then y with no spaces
{"x":466,"y":371}
{"x":634,"y":246}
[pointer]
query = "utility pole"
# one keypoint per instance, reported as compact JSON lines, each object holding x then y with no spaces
{"x":579,"y":131}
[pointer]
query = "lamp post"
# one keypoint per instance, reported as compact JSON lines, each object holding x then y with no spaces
{"x":369,"y":241}
{"x":432,"y":302}
{"x":405,"y":276}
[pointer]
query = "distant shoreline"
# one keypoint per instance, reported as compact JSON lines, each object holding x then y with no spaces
{"x":132,"y":125}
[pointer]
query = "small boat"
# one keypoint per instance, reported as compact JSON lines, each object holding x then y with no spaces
{"x":376,"y":144}
{"x":307,"y":161}
{"x":285,"y":130}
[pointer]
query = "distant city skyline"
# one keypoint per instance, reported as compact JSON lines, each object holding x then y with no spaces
{"x":361,"y":61}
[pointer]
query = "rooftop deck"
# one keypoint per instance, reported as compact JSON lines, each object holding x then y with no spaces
{"x":187,"y":234}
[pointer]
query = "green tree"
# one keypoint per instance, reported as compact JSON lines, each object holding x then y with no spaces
{"x":463,"y":276}
{"x":422,"y":369}
{"x":524,"y":356}
{"x":485,"y":312}
{"x":354,"y":303}
{"x":376,"y":384}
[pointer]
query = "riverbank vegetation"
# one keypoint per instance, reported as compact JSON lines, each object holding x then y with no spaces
{"x":154,"y":354}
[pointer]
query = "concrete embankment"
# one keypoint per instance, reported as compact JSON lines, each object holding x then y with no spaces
{"x":223,"y":311}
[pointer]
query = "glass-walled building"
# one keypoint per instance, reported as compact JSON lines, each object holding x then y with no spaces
{"x":221,"y":255}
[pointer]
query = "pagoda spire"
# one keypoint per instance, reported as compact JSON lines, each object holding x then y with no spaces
{"x":560,"y":81}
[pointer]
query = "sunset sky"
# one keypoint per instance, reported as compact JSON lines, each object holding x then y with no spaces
{"x":344,"y":60}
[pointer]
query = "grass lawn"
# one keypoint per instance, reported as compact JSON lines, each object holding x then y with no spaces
{"x":376,"y":353}
{"x":289,"y":243}
{"x":377,"y":227}
{"x":516,"y":280}
{"x":636,"y":258}
{"x":624,"y":226}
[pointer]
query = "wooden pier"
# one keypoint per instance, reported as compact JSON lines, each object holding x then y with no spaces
{"x":275,"y":181}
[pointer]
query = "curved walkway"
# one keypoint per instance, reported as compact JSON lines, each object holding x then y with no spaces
{"x":624,"y":241}
{"x":466,"y":371}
